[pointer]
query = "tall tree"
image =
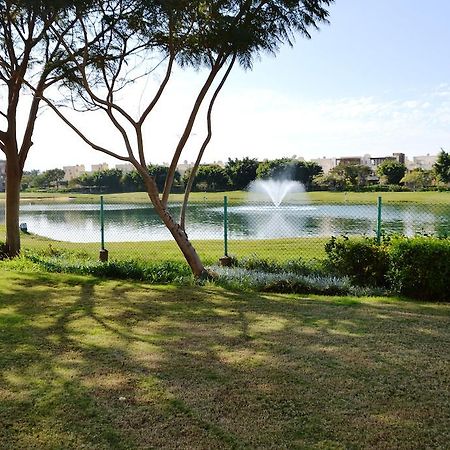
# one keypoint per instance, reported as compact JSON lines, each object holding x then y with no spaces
{"x":213,"y":36}
{"x":442,"y":166}
{"x":241,"y":171}
{"x":30,"y":62}
{"x":391,"y":171}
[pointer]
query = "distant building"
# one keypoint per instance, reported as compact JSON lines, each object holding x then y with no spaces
{"x":182,"y":168}
{"x":99,"y":167}
{"x":348,"y":160}
{"x":71,"y":172}
{"x":326,"y":163}
{"x":2,"y":175}
{"x":424,"y":162}
{"x":125,"y":168}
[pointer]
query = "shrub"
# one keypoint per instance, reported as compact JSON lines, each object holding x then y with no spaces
{"x":420,"y":267}
{"x":362,"y":259}
{"x":54,"y":260}
{"x":284,"y":282}
{"x":297,"y":266}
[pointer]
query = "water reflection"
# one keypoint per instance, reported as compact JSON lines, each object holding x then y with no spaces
{"x":139,"y":222}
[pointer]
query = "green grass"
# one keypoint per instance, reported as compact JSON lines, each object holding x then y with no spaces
{"x":209,"y":250}
{"x":86,"y":363}
{"x":239,"y":197}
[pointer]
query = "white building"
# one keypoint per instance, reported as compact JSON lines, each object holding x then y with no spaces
{"x":2,"y":175}
{"x":424,"y":162}
{"x":71,"y":172}
{"x":326,"y":163}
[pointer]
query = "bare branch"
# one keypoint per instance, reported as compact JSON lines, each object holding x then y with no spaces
{"x":193,"y":173}
{"x":82,"y":135}
{"x":188,"y":128}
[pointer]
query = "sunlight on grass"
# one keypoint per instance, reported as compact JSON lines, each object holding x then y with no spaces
{"x":112,"y":364}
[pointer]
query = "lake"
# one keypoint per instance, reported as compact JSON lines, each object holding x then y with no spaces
{"x":138,"y":222}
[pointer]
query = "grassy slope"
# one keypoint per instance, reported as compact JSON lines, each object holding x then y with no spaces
{"x":236,"y":197}
{"x":92,"y":364}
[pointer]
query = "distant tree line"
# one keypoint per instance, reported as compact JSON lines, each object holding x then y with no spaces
{"x":239,"y":173}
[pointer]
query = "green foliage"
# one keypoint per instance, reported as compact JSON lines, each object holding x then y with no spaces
{"x":364,"y":260}
{"x":209,"y":177}
{"x":53,"y":260}
{"x":391,"y":171}
{"x":114,"y":180}
{"x":237,"y":278}
{"x":286,"y":168}
{"x":160,"y":174}
{"x":344,"y":176}
{"x":418,"y":179}
{"x":442,"y":166}
{"x":420,"y":267}
{"x":296,"y":266}
{"x":241,"y":172}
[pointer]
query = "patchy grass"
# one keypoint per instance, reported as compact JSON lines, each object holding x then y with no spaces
{"x":86,"y":363}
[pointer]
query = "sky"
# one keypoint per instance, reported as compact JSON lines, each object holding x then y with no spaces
{"x":375,"y":80}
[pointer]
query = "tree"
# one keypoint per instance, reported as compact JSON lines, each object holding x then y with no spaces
{"x":291,"y":169}
{"x":132,"y":182}
{"x":442,"y":166}
{"x":30,"y":62}
{"x":213,"y":36}
{"x":418,"y":179}
{"x":241,"y":171}
{"x":160,"y":173}
{"x":345,"y":176}
{"x":210,"y":177}
{"x":53,"y":176}
{"x":391,"y":171}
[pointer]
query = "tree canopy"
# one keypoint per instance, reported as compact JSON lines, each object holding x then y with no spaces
{"x":391,"y":171}
{"x":442,"y":166}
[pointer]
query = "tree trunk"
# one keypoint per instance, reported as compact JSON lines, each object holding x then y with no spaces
{"x":183,"y":242}
{"x":176,"y":231}
{"x":13,"y":178}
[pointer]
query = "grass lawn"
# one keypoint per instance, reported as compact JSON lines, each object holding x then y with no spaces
{"x":239,"y":197}
{"x":209,"y":250}
{"x":86,"y":363}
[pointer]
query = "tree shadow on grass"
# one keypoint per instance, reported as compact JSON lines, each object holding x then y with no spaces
{"x":120,"y":365}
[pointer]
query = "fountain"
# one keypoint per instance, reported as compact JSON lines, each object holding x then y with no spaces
{"x":274,"y":189}
{"x":271,"y":215}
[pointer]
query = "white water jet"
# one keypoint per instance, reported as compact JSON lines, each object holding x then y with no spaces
{"x":275,"y":190}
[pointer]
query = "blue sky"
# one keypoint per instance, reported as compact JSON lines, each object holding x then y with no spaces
{"x":375,"y":80}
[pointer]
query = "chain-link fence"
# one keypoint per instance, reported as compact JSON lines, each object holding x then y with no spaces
{"x":295,"y":228}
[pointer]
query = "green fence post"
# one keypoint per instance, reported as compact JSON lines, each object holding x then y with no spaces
{"x":225,"y":225}
{"x":225,"y":260}
{"x":103,"y":252}
{"x":379,"y":220}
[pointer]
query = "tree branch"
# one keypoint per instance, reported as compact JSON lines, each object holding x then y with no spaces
{"x":188,"y":129}
{"x":193,"y":173}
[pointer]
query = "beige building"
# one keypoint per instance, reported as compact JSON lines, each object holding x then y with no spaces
{"x":71,"y":172}
{"x":99,"y":167}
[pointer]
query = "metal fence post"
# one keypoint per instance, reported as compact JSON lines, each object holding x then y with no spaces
{"x":103,"y":252}
{"x":225,"y":260}
{"x":225,"y":225}
{"x":379,"y":203}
